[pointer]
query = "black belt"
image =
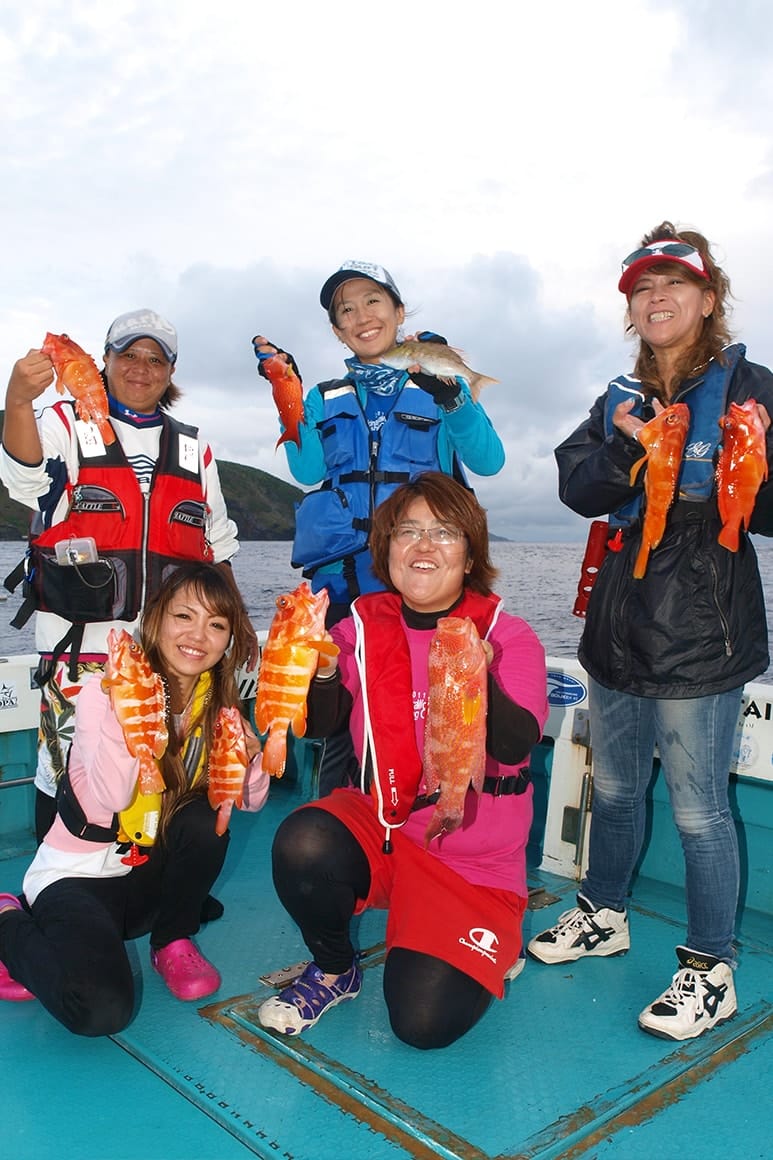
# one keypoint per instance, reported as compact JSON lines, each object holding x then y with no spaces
{"x":496,"y":786}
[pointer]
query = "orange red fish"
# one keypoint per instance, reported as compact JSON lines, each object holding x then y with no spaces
{"x":77,"y":371}
{"x":228,"y":763}
{"x":663,"y":439}
{"x":295,"y":639}
{"x":742,"y":468}
{"x":455,"y":730}
{"x":286,"y":388}
{"x":138,"y":699}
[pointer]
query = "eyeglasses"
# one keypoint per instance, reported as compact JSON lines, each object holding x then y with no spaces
{"x":682,"y":250}
{"x":411,"y":534}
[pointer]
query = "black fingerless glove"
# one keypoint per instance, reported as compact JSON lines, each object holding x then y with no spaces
{"x":262,"y":355}
{"x":446,"y":395}
{"x":430,"y":336}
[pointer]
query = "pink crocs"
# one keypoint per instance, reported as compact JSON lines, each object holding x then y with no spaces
{"x":10,"y":990}
{"x":185,"y":971}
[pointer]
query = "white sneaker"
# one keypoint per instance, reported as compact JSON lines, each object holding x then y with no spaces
{"x":701,"y":996}
{"x":580,"y":932}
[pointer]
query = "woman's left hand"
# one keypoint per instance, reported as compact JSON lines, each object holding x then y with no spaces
{"x":764,"y":416}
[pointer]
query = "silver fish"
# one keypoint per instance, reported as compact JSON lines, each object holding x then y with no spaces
{"x":433,"y":358}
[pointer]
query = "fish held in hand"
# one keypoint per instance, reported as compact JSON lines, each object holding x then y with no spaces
{"x":434,"y":358}
{"x":77,"y":371}
{"x":663,"y":439}
{"x":742,"y":468}
{"x":286,"y":389}
{"x":138,"y":698}
{"x":455,"y":730}
{"x":290,"y":655}
{"x":228,"y":763}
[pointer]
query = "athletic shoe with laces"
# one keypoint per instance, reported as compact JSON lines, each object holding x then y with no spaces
{"x":701,"y":996}
{"x":581,"y":932}
{"x":186,"y":972}
{"x":306,"y":1000}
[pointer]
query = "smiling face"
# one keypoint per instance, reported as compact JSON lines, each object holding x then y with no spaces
{"x":138,"y":376}
{"x":668,"y":308}
{"x":366,"y":318}
{"x":429,"y":576}
{"x":192,"y":639}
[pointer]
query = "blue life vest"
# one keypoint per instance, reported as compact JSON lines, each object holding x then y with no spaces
{"x":362,"y":468}
{"x":707,"y":406}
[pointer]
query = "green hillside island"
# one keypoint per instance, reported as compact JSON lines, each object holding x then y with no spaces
{"x":260,"y":504}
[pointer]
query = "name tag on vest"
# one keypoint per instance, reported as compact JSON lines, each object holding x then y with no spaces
{"x":89,"y":439}
{"x":188,"y":451}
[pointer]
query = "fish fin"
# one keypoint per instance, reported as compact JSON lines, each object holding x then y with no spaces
{"x":636,"y":469}
{"x":150,"y":778}
{"x":298,"y":722}
{"x":640,"y":567}
{"x":470,"y":707}
{"x":328,"y":647}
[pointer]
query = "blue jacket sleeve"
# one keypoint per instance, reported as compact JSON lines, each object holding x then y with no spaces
{"x":468,"y":432}
{"x":307,"y":463}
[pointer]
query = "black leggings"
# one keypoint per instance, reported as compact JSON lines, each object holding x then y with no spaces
{"x":320,"y":872}
{"x":69,"y":948}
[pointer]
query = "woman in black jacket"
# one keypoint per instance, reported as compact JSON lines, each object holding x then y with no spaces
{"x":667,"y":653}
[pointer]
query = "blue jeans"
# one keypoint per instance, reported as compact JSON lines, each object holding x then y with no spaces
{"x":695,"y":740}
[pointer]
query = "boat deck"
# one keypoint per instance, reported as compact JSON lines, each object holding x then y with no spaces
{"x":559,"y":1068}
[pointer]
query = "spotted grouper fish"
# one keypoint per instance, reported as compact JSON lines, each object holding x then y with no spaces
{"x":742,"y":468}
{"x":295,"y":639}
{"x":139,"y":702}
{"x":455,"y":731}
{"x":77,"y":371}
{"x":663,"y":439}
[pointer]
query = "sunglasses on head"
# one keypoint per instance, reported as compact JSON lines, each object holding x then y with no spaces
{"x":683,"y":250}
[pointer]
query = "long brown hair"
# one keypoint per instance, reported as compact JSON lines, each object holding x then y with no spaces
{"x":715,"y":334}
{"x":452,"y":503}
{"x":218,"y":592}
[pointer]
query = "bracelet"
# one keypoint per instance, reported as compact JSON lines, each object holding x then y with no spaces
{"x":326,"y":676}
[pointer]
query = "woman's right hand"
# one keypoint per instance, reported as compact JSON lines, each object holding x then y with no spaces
{"x":30,"y":377}
{"x":628,"y":424}
{"x":265,"y":349}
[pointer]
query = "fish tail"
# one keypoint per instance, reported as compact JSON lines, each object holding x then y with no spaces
{"x":729,"y":537}
{"x":478,"y":382}
{"x":287,"y":437}
{"x":275,"y":753}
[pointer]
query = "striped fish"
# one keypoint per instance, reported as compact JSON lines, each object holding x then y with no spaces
{"x":295,"y":639}
{"x":227,"y":766}
{"x":138,"y":699}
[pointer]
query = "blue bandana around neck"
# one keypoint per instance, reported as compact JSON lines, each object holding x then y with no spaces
{"x":381,"y":380}
{"x":118,"y":411}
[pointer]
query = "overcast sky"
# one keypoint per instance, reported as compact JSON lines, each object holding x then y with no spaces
{"x":217,"y":162}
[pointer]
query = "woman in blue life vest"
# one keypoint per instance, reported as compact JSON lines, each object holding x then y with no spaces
{"x":365,"y":434}
{"x":667,"y":653}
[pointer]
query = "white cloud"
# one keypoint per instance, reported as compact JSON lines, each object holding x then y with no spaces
{"x":500,"y":158}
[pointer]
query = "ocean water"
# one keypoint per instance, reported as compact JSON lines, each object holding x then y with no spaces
{"x":537,"y":581}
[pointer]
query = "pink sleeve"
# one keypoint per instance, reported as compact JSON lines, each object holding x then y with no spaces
{"x":256,"y":784}
{"x":102,"y":771}
{"x":519,"y":666}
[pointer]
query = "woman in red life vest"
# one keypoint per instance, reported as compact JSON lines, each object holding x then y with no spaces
{"x":454,"y":899}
